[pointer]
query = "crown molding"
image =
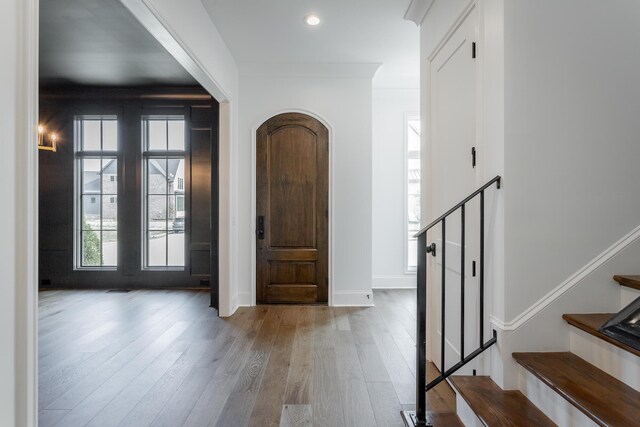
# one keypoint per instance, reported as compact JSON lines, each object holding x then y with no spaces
{"x":417,"y":10}
{"x":308,"y":69}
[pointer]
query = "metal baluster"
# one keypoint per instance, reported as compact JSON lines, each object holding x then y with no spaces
{"x":421,"y":329}
{"x":482,"y":268}
{"x":442,"y":310}
{"x":462,"y":253}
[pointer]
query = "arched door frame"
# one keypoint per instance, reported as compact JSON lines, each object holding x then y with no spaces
{"x":254,"y":130}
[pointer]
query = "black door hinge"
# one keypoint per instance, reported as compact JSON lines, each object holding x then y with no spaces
{"x":473,"y":157}
{"x":473,"y":269}
{"x":473,"y":50}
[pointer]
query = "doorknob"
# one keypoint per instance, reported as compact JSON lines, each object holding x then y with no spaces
{"x":260,"y":227}
{"x":431,"y":249}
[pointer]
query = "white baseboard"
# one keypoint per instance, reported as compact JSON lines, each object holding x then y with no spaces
{"x":407,"y":281}
{"x":352,"y":299}
{"x":613,"y":360}
{"x":340,"y":299}
{"x":551,"y":403}
{"x":632,"y":237}
{"x":233,"y":306}
{"x":244,"y":299}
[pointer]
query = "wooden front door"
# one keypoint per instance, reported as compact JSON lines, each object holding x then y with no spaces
{"x":292,"y":169}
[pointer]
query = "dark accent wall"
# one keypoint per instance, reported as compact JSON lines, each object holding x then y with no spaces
{"x":58,"y":107}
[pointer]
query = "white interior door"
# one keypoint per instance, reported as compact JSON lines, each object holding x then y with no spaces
{"x":452,"y":111}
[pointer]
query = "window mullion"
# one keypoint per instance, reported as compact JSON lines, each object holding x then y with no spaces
{"x":166,"y":214}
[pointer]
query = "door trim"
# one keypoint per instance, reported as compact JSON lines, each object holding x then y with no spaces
{"x":254,"y":130}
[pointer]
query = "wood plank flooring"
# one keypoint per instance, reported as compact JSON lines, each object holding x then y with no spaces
{"x":164,"y":358}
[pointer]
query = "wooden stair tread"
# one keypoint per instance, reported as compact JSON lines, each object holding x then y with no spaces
{"x":440,"y":419}
{"x":497,"y":407}
{"x":628,"y":281}
{"x":591,"y":322}
{"x":604,"y":399}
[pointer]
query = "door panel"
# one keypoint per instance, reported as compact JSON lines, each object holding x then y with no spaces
{"x":292,"y":198}
{"x":453,"y":134}
{"x":292,"y":188}
{"x":200,"y":203}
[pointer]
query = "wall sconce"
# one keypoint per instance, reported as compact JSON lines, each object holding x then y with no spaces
{"x":44,"y":143}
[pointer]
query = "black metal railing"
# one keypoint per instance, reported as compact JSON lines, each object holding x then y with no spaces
{"x":419,"y":416}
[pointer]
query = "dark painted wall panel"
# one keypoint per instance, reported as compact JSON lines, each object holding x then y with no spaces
{"x":57,"y":111}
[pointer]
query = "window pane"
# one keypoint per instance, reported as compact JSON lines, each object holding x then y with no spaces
{"x":157,"y":176}
{"x":109,"y":176}
{"x":413,"y":136}
{"x":412,"y":252}
{"x":157,"y":213}
{"x":97,"y":195}
{"x":157,"y":135}
{"x":176,"y":249}
{"x":110,"y":248}
{"x":157,"y":249}
{"x":176,"y":134}
{"x":179,"y":206}
{"x":176,"y":176}
{"x":91,"y":135}
{"x":109,"y":212}
{"x":413,"y":211}
{"x":91,"y":212}
{"x":413,"y":189}
{"x":110,"y":135}
{"x":91,"y":176}
{"x":91,"y":249}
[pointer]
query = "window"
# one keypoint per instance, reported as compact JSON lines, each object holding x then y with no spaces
{"x":96,"y":213}
{"x":164,"y":161}
{"x":412,"y":180}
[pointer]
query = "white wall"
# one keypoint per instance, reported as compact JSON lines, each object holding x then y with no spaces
{"x":571,"y":149}
{"x":560,"y":97}
{"x":390,"y":107}
{"x":18,"y":264}
{"x":572,"y":97}
{"x":345,"y":104}
{"x":8,"y":273}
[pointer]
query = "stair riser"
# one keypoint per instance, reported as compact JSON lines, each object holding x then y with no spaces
{"x":615,"y":361}
{"x":551,"y":403}
{"x":466,"y":414}
{"x":627,"y":296}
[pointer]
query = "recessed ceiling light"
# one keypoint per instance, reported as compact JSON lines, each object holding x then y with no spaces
{"x":311,"y":20}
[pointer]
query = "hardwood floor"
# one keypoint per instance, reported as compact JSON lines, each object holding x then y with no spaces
{"x":164,"y":358}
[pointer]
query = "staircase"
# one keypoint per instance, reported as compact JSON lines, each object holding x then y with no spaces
{"x":596,"y":384}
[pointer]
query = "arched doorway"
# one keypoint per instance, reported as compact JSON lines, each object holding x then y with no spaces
{"x":292,"y":195}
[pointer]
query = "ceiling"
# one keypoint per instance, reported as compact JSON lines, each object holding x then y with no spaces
{"x":351,"y":31}
{"x":99,"y":42}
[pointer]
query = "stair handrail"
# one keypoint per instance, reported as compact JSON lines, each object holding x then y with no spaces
{"x":419,"y":416}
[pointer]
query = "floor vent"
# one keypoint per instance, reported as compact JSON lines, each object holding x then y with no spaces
{"x":119,"y":291}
